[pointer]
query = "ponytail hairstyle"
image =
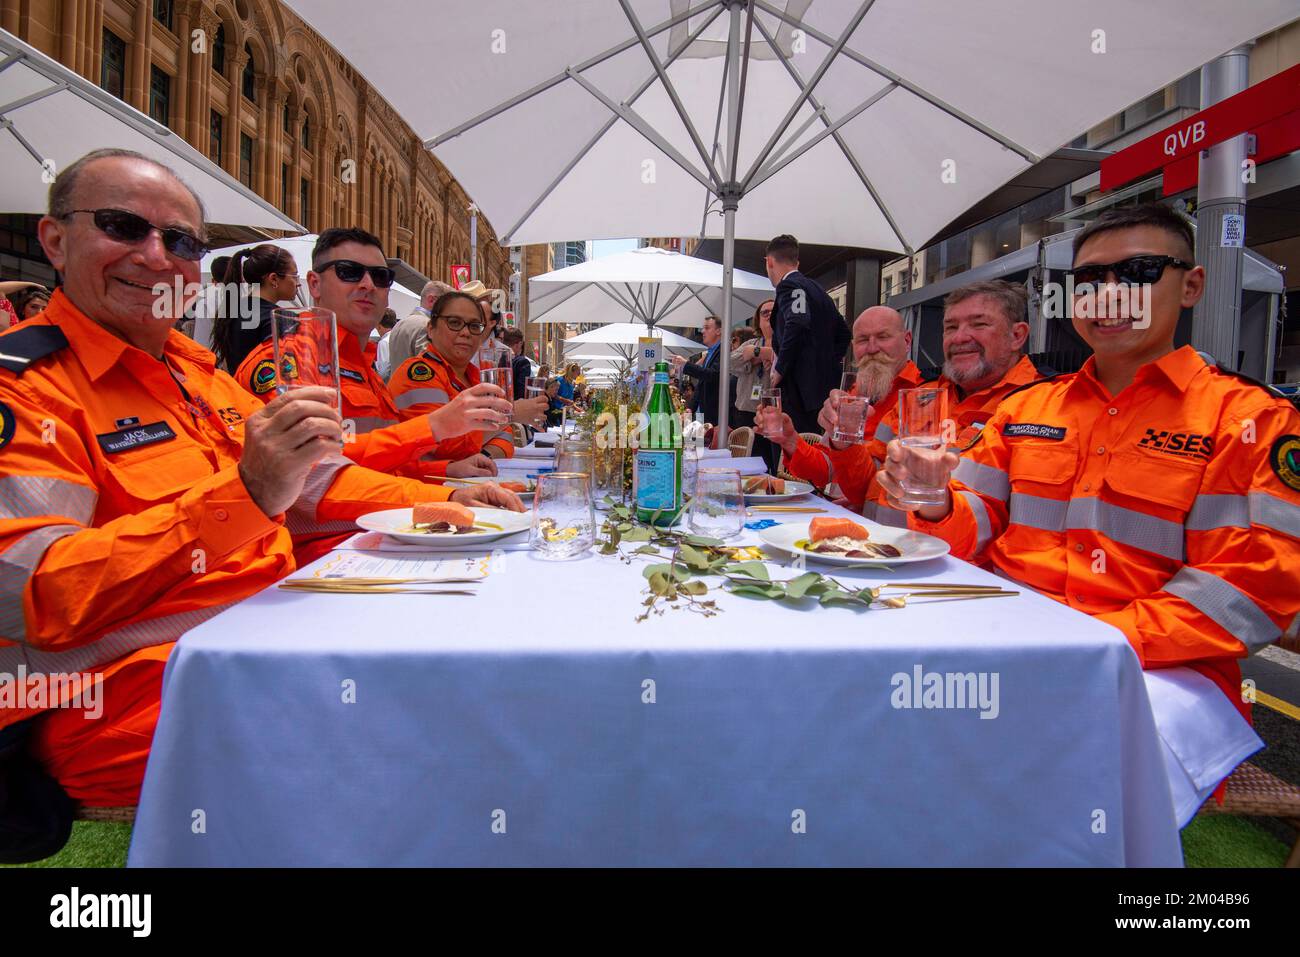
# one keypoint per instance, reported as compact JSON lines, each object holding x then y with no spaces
{"x":247,"y":267}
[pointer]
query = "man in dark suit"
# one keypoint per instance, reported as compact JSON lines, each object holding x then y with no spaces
{"x":707,"y":373}
{"x":812,"y":337}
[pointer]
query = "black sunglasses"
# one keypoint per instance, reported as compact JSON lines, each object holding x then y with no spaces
{"x":126,"y":227}
{"x":351,"y":271}
{"x":1134,"y":270}
{"x":456,"y":324}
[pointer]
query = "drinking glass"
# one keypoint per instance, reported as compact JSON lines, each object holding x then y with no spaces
{"x":770,"y":398}
{"x":718,"y":507}
{"x":849,"y":377}
{"x":574,"y":455}
{"x":564,"y":519}
{"x":534,"y":386}
{"x":305,"y":346}
{"x":851,"y":422}
{"x":501,"y":377}
{"x":922,"y":414}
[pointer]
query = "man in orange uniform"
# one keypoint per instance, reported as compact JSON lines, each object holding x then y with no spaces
{"x":143,"y":490}
{"x":351,"y":277}
{"x":445,"y":370}
{"x":1150,"y":489}
{"x":881,"y":346}
{"x":984,"y":333}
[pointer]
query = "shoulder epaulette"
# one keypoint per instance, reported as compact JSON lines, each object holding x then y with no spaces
{"x":1055,"y":377}
{"x":1250,"y":380}
{"x":1043,"y":369}
{"x":24,"y":345}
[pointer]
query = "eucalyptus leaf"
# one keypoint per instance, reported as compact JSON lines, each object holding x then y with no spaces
{"x":646,"y":550}
{"x":693,"y":588}
{"x":799,"y":586}
{"x":704,"y":541}
{"x":636,"y":534}
{"x":755,"y":591}
{"x":693,"y":558}
{"x":755,"y":570}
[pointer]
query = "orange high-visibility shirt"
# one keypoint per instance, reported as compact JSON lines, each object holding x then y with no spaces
{"x":1170,"y":510}
{"x":379,"y":438}
{"x":425,"y":383}
{"x":855,"y":467}
{"x":815,"y":463}
{"x":123,"y":519}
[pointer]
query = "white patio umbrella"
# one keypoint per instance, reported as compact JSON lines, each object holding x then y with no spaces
{"x":51,"y":116}
{"x":653,"y":286}
{"x":863,"y":122}
{"x":621,"y":340}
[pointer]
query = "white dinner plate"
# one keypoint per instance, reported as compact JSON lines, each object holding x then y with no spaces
{"x":393,"y":522}
{"x":915,"y":546}
{"x":792,"y":490}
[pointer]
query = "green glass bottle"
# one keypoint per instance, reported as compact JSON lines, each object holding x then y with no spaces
{"x":657,"y":465}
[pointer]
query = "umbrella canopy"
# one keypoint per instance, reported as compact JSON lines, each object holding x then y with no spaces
{"x":51,"y":116}
{"x":400,"y":299}
{"x":620,"y":340}
{"x":862,"y":122}
{"x":653,"y":286}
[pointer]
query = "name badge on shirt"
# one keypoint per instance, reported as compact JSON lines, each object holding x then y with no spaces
{"x":756,"y":393}
{"x":352,"y":374}
{"x":135,"y":438}
{"x":1054,"y":432}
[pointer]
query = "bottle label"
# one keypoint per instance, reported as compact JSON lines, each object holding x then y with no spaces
{"x":661,"y":378}
{"x":656,"y":480}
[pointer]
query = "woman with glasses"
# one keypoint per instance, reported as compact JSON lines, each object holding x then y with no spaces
{"x":444,"y":370}
{"x":263,"y":276}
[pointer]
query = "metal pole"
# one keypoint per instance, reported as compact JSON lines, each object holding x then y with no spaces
{"x":1220,"y":216}
{"x":473,"y":241}
{"x":724,"y":344}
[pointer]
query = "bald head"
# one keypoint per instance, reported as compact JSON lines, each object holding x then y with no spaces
{"x":881,"y":347}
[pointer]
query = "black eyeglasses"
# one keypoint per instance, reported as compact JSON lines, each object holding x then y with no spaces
{"x":456,"y":325}
{"x":127,"y":227}
{"x":351,"y":271}
{"x":1131,"y":271}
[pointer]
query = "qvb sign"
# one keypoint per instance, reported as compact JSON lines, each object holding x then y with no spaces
{"x":1246,"y":112}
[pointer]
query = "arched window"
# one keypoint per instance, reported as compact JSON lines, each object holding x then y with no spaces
{"x":219,"y":50}
{"x":306,"y":131}
{"x":247,"y":80}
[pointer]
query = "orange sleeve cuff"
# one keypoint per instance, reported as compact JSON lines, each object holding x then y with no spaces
{"x":224,"y":517}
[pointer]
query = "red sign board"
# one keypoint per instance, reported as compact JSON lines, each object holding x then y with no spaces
{"x":1278,"y":138}
{"x":459,"y":274}
{"x":1246,"y":112}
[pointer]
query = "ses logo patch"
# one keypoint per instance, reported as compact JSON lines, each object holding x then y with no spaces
{"x":263,"y":378}
{"x":7,"y":425}
{"x":420,"y":372}
{"x":1182,"y":444}
{"x":1284,"y":457}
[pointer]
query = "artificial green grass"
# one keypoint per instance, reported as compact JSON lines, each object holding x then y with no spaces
{"x":1217,"y":841}
{"x":1220,"y":840}
{"x":93,"y":844}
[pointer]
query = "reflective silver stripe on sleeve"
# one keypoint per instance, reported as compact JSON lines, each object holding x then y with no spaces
{"x":1035,"y":511}
{"x":31,"y":496}
{"x":884,"y":433}
{"x":17,"y":565}
{"x":887,"y":515}
{"x":1275,"y":513}
{"x":112,"y":646}
{"x":983,"y":478}
{"x":983,"y":523}
{"x":301,"y":517}
{"x":1218,"y":511}
{"x":1242,"y":511}
{"x":420,"y":397}
{"x":366,"y":423}
{"x":1124,"y":525}
{"x":1226,"y":605}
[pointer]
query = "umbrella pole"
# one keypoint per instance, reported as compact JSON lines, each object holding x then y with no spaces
{"x":724,"y":348}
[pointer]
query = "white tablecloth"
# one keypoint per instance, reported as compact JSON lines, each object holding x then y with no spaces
{"x":773,"y":736}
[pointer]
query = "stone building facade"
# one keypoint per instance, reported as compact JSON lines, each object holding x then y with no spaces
{"x":251,"y":86}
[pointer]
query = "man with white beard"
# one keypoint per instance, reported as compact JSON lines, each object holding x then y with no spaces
{"x":881,"y":346}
